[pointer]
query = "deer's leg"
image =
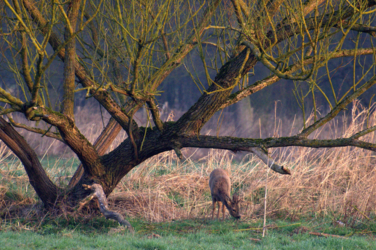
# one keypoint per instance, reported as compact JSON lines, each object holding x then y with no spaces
{"x":223,"y":211}
{"x":219,"y":209}
{"x":213,"y":209}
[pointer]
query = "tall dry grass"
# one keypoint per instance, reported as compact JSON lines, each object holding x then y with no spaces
{"x":338,"y":182}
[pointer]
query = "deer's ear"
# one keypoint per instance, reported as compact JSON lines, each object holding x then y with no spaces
{"x":235,"y":198}
{"x":228,"y":200}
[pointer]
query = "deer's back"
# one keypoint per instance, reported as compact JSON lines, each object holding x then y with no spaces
{"x":220,"y":184}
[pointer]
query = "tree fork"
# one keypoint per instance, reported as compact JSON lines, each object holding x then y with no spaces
{"x":102,"y":143}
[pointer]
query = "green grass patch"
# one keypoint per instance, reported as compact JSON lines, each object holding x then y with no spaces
{"x":99,"y":233}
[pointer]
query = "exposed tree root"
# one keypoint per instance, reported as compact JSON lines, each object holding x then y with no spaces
{"x":103,"y":205}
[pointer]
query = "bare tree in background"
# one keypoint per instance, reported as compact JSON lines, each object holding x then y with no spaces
{"x":119,"y":53}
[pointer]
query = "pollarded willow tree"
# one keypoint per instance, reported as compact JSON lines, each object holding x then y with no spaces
{"x":120,"y":52}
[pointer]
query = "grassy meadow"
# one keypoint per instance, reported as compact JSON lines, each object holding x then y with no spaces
{"x":329,"y":201}
{"x":97,"y":233}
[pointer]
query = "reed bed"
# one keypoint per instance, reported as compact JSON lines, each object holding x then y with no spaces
{"x":336,"y":182}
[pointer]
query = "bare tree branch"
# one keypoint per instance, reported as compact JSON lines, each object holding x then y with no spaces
{"x":262,"y":58}
{"x":259,"y":85}
{"x":8,"y":98}
{"x":155,"y":113}
{"x":244,"y":8}
{"x":36,"y":130}
{"x":245,"y":144}
{"x":269,"y":161}
{"x":363,"y":132}
{"x":70,"y":59}
{"x":340,"y":106}
{"x":284,"y":31}
{"x":99,"y":194}
{"x":25,"y":63}
{"x":371,"y":30}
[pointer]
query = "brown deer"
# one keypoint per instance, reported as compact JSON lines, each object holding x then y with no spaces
{"x":220,"y":187}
